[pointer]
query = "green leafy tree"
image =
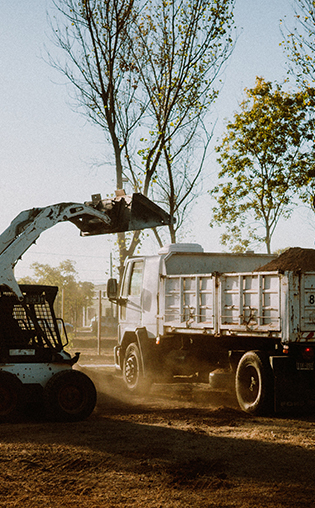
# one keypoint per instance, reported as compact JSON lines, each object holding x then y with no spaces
{"x":144,"y":72}
{"x":267,"y":162}
{"x":77,"y":295}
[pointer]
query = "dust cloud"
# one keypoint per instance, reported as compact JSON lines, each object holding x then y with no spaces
{"x":112,"y":393}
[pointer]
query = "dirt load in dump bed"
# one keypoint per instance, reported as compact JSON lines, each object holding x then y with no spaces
{"x":295,"y":259}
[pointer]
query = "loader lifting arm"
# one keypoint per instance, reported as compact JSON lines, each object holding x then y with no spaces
{"x":122,"y":213}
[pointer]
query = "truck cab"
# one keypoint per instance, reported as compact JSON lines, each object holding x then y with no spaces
{"x":139,"y":296}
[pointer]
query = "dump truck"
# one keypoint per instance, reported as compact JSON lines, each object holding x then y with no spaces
{"x":240,"y":322}
{"x":34,"y":364}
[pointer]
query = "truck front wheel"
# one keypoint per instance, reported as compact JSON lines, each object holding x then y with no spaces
{"x":69,"y":395}
{"x":133,"y":371}
{"x":254,"y":384}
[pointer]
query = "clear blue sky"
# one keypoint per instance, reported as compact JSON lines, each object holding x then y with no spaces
{"x":48,"y":152}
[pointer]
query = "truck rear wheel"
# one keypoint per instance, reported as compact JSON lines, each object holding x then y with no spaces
{"x":10,"y":397}
{"x":253,"y":384}
{"x":69,"y":395}
{"x":133,"y":371}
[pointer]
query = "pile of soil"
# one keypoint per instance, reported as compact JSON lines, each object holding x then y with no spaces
{"x":295,"y":259}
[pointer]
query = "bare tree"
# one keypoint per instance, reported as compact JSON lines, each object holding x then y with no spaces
{"x":144,"y":71}
{"x":299,"y":41}
{"x":182,"y":46}
{"x":179,"y":184}
{"x":93,"y":36}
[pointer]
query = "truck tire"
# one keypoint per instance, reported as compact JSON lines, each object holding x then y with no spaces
{"x":133,"y":371}
{"x":10,"y":397}
{"x":69,"y":395}
{"x":254,"y":384}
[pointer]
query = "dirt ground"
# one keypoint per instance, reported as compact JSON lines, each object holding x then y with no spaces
{"x":180,"y":446}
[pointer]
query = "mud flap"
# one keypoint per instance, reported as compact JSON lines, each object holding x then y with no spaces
{"x":117,"y":351}
{"x":146,"y":351}
{"x":291,"y":388}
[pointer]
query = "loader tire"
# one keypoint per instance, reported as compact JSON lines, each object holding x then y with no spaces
{"x":69,"y":395}
{"x":133,"y":373}
{"x":254,"y":384}
{"x":11,"y":397}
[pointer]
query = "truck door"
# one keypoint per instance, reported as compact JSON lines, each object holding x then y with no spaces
{"x":130,"y":310}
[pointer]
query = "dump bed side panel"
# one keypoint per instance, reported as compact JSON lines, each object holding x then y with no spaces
{"x":250,"y":302}
{"x":247,"y":303}
{"x":190,"y":302}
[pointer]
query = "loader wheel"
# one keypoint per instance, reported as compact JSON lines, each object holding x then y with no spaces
{"x":254,"y":384}
{"x":69,"y":395}
{"x":10,"y":397}
{"x":133,"y":372}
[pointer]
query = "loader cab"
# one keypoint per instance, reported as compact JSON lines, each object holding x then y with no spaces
{"x":30,"y":326}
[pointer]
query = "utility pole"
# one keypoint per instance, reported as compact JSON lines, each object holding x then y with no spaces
{"x":99,"y":327}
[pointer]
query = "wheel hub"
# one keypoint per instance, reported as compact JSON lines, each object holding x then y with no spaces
{"x":253,"y":384}
{"x":131,"y":370}
{"x":71,"y":398}
{"x":250,"y":385}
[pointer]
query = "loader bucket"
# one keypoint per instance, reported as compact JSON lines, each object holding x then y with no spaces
{"x":126,"y":213}
{"x":146,"y":214}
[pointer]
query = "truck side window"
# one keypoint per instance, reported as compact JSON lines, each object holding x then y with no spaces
{"x":136,"y":279}
{"x":124,"y":291}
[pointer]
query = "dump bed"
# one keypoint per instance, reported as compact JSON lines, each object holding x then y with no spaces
{"x":221,"y":294}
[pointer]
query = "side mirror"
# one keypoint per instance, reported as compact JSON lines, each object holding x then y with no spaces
{"x":112,"y":289}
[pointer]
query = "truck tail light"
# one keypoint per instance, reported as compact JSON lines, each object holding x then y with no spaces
{"x":308,"y":353}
